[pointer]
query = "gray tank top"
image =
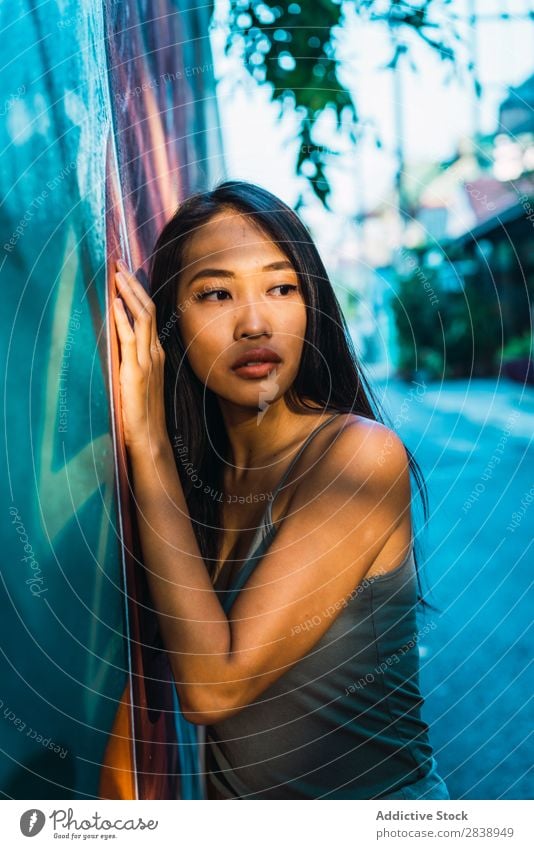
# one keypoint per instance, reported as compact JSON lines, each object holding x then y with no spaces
{"x":344,"y":722}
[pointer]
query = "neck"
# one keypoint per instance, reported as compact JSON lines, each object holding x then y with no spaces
{"x":259,"y":439}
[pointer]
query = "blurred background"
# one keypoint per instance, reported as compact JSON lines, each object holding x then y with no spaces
{"x":403,"y":134}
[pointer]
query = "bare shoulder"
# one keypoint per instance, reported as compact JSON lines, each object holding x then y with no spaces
{"x":356,"y":450}
{"x":372,"y":447}
{"x":360,"y":477}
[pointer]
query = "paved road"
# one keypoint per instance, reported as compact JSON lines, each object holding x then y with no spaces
{"x":475,"y":443}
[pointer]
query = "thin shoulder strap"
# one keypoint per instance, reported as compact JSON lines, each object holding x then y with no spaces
{"x":265,"y":530}
{"x":299,"y":452}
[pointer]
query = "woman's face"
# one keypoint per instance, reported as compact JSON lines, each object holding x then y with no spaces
{"x":238,"y":292}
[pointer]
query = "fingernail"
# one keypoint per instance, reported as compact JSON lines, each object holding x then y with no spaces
{"x":121,"y":262}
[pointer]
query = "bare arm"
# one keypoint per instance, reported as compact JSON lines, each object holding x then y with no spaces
{"x":338,"y":520}
{"x":321,"y":552}
{"x":194,"y":627}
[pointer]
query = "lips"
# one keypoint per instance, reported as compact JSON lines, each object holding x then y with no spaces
{"x":257,"y":355}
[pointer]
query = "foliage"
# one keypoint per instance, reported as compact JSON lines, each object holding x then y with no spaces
{"x":292,"y":46}
{"x":457,"y":336}
{"x":519,"y":346}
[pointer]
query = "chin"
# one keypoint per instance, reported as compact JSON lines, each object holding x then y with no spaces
{"x":254,"y":398}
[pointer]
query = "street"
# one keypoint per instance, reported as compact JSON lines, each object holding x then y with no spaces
{"x":473,"y":441}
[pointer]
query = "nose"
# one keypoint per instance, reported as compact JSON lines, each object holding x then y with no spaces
{"x":251,"y":319}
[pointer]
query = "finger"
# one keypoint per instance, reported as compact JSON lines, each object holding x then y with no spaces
{"x":149,"y":347}
{"x":142,"y":321}
{"x":141,"y":294}
{"x":144,"y":312}
{"x":135,"y":283}
{"x":127,"y":339}
{"x":126,"y":292}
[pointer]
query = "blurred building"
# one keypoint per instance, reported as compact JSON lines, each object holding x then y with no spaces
{"x":466,"y":229}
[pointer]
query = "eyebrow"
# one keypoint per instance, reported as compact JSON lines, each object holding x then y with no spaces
{"x":224,"y":273}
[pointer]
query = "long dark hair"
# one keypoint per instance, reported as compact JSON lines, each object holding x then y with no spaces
{"x":329,"y":374}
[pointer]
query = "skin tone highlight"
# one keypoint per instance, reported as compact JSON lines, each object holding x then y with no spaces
{"x":346,"y":515}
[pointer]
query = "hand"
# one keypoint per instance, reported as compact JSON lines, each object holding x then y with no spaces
{"x":141,"y":369}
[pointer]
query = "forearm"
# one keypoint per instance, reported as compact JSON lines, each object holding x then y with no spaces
{"x":194,"y":627}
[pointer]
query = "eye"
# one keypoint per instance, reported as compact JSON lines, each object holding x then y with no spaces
{"x":289,"y":286}
{"x":202,"y":296}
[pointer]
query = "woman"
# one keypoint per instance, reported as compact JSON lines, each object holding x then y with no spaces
{"x":274,"y":511}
